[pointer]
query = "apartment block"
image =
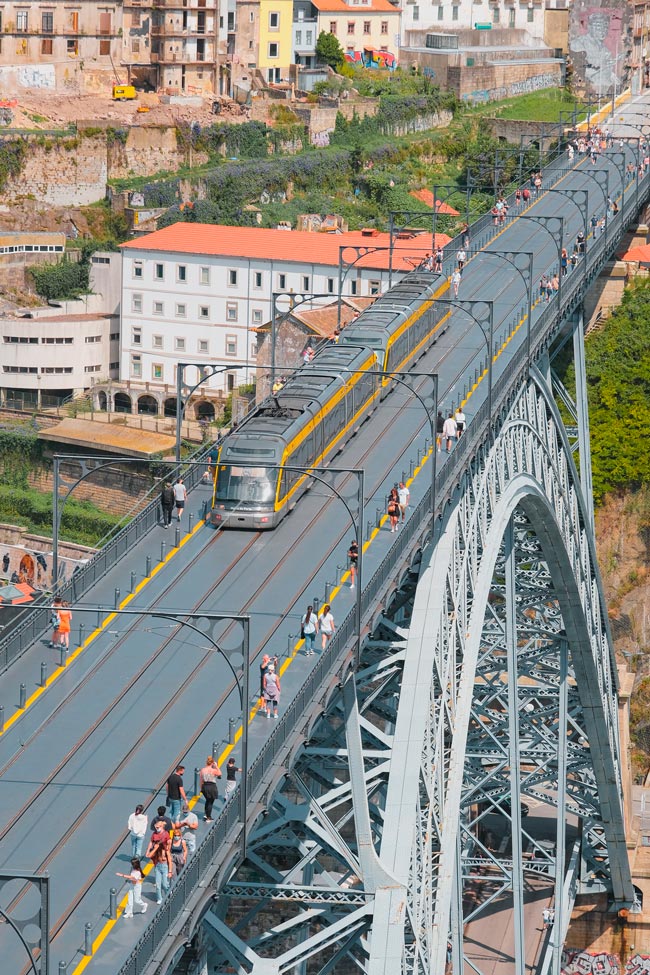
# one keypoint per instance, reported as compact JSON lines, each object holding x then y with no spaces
{"x":55,"y":46}
{"x":197,"y":293}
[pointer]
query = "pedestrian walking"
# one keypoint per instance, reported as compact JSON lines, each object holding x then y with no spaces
{"x":180,"y":496}
{"x":327,"y":625}
{"x":449,"y":431}
{"x":272,"y":691}
{"x":264,"y":666}
{"x":455,"y":281}
{"x":393,"y":509}
{"x":564,"y":262}
{"x":437,"y":265}
{"x":135,"y":893}
{"x":404,"y":496}
{"x":208,"y":784}
{"x":188,"y":824}
{"x":231,"y":780}
{"x":161,"y":823}
{"x":440,"y":426}
{"x":465,"y":235}
{"x":548,"y":917}
{"x":353,"y":556}
{"x":461,"y":257}
{"x":542,"y":286}
{"x":175,"y":793}
{"x":538,"y":183}
{"x":580,"y":242}
{"x":518,"y":198}
{"x":178,"y":851}
{"x":55,"y":621}
{"x":167,"y":503}
{"x":65,"y":624}
{"x":525,"y":194}
{"x":549,"y":289}
{"x":555,"y":284}
{"x":460,"y":422}
{"x":137,"y":826}
{"x":163,"y":867}
{"x":308,"y":631}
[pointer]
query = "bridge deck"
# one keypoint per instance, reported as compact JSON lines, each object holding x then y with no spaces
{"x":142,"y":695}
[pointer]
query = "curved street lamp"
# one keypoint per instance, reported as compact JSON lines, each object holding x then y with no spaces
{"x":184,"y":393}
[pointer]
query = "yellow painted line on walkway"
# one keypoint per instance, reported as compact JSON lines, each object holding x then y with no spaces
{"x":255,"y":710}
{"x":112,"y":616}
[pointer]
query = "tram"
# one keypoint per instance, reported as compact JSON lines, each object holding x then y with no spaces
{"x":322,"y":405}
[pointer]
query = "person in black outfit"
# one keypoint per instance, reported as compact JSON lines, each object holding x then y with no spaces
{"x":175,"y":793}
{"x":167,"y":503}
{"x":161,"y":823}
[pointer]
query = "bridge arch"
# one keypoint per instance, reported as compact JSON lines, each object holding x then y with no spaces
{"x":457,"y":670}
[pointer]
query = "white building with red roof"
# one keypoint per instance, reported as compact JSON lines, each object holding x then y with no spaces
{"x":196,"y":292}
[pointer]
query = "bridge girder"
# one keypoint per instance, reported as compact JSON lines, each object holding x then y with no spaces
{"x":496,"y":674}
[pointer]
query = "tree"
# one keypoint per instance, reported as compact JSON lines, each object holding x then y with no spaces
{"x":329,"y":50}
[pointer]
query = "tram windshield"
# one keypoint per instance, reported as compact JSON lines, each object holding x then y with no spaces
{"x":246,"y":485}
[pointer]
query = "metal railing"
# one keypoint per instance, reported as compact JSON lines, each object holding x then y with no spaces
{"x":223,"y":841}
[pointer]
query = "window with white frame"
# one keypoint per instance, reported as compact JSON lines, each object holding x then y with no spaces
{"x":454,"y":13}
{"x":204,"y":275}
{"x":257,"y":279}
{"x":158,"y":308}
{"x":441,"y":12}
{"x":181,"y":272}
{"x":136,"y":336}
{"x":179,"y":344}
{"x":384,"y":27}
{"x":204,"y":311}
{"x":156,"y":370}
{"x":253,"y":350}
{"x":231,"y":345}
{"x":257,"y":316}
{"x":274,"y":49}
{"x":298,"y":37}
{"x":330,"y":286}
{"x":181,"y":310}
{"x":204,"y":346}
{"x":309,"y":38}
{"x":354,"y":287}
{"x":157,"y":341}
{"x":159,"y":272}
{"x":137,"y":269}
{"x":136,"y":366}
{"x":416,"y":13}
{"x":374,"y":287}
{"x":305,"y":282}
{"x":136,"y":303}
{"x":232,"y":278}
{"x":282,"y":281}
{"x":231,"y":311}
{"x":274,"y":21}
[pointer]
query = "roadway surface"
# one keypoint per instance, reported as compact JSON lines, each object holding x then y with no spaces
{"x":143,"y":694}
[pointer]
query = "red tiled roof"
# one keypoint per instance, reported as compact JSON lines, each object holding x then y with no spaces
{"x":426,"y":197}
{"x":333,"y":6}
{"x":287,"y":246}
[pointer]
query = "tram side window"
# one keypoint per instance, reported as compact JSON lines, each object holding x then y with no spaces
{"x":334,"y":422}
{"x":397,"y":352}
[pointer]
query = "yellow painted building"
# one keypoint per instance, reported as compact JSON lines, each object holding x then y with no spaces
{"x":361,"y":25}
{"x":275,"y":37}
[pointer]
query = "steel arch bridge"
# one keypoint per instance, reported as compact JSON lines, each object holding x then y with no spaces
{"x":492,"y":681}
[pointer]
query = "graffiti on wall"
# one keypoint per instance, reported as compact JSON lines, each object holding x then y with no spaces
{"x":371,"y":58}
{"x":536,"y":83}
{"x":29,"y":76}
{"x":638,"y":965}
{"x":577,"y":962}
{"x":19,"y":564}
{"x":598,"y":46}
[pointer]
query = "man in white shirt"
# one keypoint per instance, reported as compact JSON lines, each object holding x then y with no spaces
{"x":188,"y":823}
{"x":180,"y":496}
{"x":404,"y":495}
{"x":449,"y":431}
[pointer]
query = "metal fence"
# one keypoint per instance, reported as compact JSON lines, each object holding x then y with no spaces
{"x":223,"y":841}
{"x":37,"y":623}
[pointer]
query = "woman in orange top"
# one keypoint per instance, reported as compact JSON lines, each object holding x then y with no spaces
{"x":65,"y":621}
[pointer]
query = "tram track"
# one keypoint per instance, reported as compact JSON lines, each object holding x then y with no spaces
{"x":334,"y":539}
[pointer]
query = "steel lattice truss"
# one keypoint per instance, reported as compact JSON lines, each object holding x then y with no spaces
{"x":401,"y":820}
